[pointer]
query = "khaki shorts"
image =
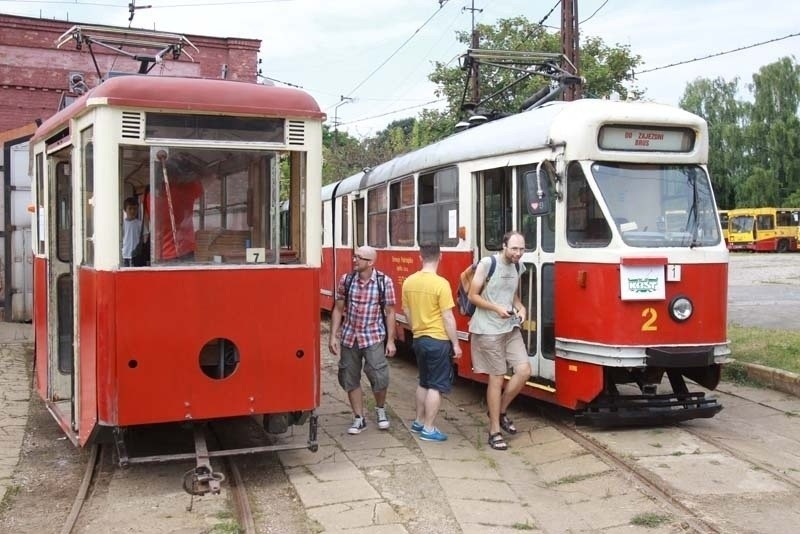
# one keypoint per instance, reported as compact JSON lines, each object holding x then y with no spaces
{"x":493,"y":354}
{"x":374,"y":363}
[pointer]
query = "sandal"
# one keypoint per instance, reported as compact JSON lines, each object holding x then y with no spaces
{"x":507,"y":424}
{"x":497,"y":442}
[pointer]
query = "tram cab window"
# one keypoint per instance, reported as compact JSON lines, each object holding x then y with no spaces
{"x":659,"y":205}
{"x":215,"y":205}
{"x":586,"y":225}
{"x":496,"y":216}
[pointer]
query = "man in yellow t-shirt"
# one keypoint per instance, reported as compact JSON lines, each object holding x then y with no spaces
{"x":428,"y":306}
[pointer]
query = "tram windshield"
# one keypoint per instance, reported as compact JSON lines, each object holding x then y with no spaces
{"x":659,"y":205}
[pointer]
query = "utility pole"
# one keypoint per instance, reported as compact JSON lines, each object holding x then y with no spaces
{"x":475,"y":89}
{"x":570,"y":46}
{"x":342,"y":101}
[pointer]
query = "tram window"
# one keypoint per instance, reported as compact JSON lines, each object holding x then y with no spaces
{"x":401,"y":212}
{"x":376,"y":217}
{"x":496,"y":207}
{"x":88,"y":196}
{"x":358,"y":226}
{"x":438,"y":207}
{"x":343,"y":221}
{"x":586,"y":225}
{"x":40,"y":212}
{"x":528,"y":223}
{"x":216,"y":205}
{"x":63,"y":212}
{"x":214,"y":127}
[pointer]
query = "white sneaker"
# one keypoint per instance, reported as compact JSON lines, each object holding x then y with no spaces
{"x":359,"y":424}
{"x":381,"y":418}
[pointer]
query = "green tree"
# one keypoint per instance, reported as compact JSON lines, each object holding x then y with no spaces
{"x":774,"y":134}
{"x":715,"y":101}
{"x":342,"y":155}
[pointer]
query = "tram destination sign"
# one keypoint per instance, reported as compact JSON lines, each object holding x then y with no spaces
{"x":620,"y":137}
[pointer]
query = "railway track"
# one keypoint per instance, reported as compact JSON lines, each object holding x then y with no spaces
{"x":648,"y":482}
{"x":83,"y":517}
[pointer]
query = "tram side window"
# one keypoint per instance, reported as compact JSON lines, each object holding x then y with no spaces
{"x":88,"y":196}
{"x":496,"y":207}
{"x":586,"y":225}
{"x":40,"y":212}
{"x":63,"y":212}
{"x":343,"y":220}
{"x":438,"y":207}
{"x":401,"y":212}
{"x":376,"y":217}
{"x":358,"y":222}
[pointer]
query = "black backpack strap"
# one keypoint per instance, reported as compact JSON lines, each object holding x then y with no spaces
{"x":348,"y":283}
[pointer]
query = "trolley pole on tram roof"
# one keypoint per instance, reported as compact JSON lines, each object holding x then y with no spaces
{"x":570,"y":46}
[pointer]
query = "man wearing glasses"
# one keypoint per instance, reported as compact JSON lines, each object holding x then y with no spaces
{"x":362,"y":319}
{"x":495,"y":333}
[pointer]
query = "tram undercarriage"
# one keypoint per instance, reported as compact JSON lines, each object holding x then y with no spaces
{"x":203,"y":478}
{"x":649,"y":406}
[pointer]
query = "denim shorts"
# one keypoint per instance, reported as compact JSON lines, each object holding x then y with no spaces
{"x":375,"y":367}
{"x":435,"y":364}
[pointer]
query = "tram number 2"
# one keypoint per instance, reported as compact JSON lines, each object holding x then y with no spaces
{"x":650,"y":315}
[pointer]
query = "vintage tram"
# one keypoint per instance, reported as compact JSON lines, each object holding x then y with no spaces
{"x":626,"y":267}
{"x":197,"y":330}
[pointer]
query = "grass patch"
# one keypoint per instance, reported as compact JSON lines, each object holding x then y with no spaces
{"x":650,"y":520}
{"x":8,"y":498}
{"x":523,"y":526}
{"x":227,"y":527}
{"x":571,"y":479}
{"x":772,"y":348}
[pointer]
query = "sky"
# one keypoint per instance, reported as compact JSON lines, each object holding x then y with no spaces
{"x":378,"y":53}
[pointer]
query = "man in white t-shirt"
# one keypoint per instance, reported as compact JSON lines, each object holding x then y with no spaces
{"x":131,"y":230}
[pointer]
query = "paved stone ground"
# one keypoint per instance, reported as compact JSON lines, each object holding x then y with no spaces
{"x":16,"y":345}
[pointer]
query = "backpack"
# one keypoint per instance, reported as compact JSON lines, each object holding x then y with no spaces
{"x":465,"y":307}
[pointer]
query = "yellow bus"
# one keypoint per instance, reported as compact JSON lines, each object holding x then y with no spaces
{"x":764,"y":229}
{"x":724,"y":222}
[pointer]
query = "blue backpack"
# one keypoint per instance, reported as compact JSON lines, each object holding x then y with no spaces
{"x":465,"y":307}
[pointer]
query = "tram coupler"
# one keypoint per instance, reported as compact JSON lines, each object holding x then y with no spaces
{"x":202,"y":479}
{"x":313,"y":446}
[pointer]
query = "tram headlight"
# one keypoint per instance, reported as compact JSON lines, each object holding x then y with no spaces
{"x":681,"y":308}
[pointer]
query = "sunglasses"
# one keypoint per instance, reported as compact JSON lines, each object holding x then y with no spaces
{"x":361,"y":258}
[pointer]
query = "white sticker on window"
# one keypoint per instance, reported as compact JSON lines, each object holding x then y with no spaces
{"x":452,"y":222}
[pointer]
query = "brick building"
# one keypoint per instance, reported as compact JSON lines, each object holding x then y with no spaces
{"x":34,"y":74}
{"x":36,"y":78}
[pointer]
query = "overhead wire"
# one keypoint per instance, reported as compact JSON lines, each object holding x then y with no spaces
{"x":717,"y":54}
{"x":593,"y":14}
{"x":379,"y":67}
{"x":362,"y":119}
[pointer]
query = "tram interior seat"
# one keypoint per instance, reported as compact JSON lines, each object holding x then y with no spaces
{"x":231,"y":246}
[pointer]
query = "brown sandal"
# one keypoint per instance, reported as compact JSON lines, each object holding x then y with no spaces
{"x":497,"y":442}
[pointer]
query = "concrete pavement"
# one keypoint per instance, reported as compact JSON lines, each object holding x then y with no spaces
{"x":16,"y":346}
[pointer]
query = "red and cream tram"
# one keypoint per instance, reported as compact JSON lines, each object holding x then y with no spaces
{"x":199,"y":332}
{"x":626,"y":278}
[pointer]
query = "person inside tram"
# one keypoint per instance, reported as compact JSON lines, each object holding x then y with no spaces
{"x":131,"y":230}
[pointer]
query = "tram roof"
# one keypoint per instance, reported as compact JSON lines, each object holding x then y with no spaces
{"x":551,"y":124}
{"x":189,"y":94}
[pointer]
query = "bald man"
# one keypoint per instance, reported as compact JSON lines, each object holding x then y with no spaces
{"x":358,"y":330}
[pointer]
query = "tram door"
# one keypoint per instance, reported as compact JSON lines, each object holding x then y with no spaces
{"x":502,"y":208}
{"x":61,"y":384}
